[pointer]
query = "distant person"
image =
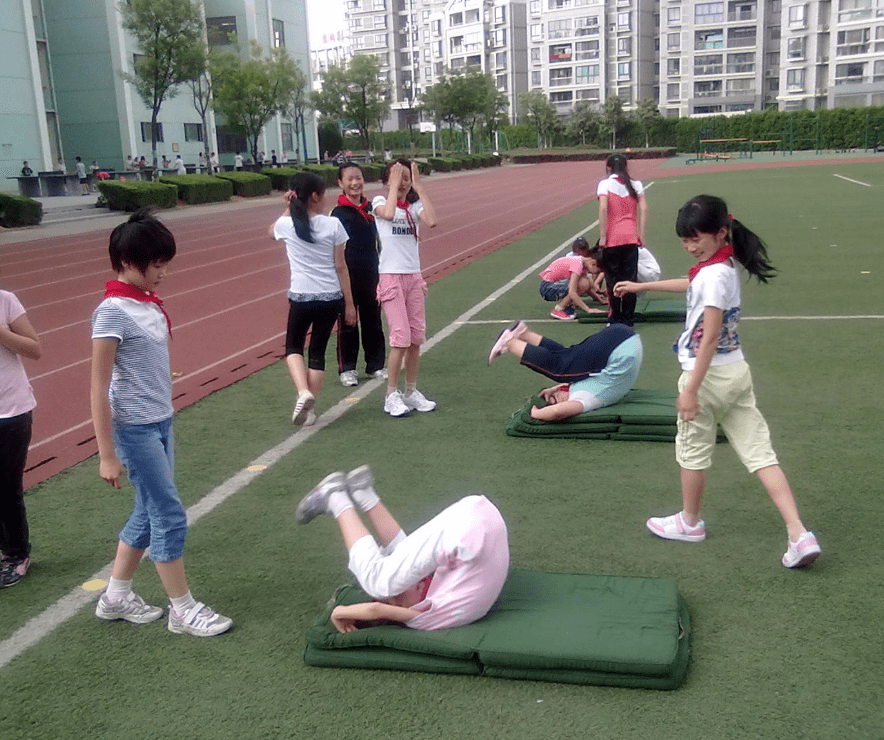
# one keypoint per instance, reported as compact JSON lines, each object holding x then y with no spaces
{"x":273,"y":157}
{"x":569,"y":278}
{"x":166,"y":162}
{"x":283,"y":157}
{"x":17,"y":339}
{"x":129,"y":164}
{"x":180,"y":169}
{"x":142,"y":163}
{"x":81,"y":175}
{"x":237,"y":162}
{"x":60,"y":166}
{"x":213,"y":158}
{"x":201,"y":161}
{"x":26,"y":171}
{"x":131,"y":400}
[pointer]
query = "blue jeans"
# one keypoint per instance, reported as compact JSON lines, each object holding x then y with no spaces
{"x":158,"y":519}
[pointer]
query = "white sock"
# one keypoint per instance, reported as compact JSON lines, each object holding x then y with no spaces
{"x":183,"y":603}
{"x":338,"y":503}
{"x":365,"y":498}
{"x":117,"y":590}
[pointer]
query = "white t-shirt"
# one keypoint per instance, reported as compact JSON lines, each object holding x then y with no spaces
{"x":237,"y":161}
{"x":312,"y":264}
{"x":400,"y":251}
{"x":717,"y":286}
{"x":16,"y":394}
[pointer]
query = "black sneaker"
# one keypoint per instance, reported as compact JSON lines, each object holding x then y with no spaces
{"x":12,"y":571}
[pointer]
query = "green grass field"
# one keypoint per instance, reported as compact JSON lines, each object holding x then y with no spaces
{"x":775,"y":653}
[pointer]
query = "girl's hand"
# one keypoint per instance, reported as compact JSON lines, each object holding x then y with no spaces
{"x":415,"y":176}
{"x":687,"y":405}
{"x":396,"y":175}
{"x":341,"y":621}
{"x":111,"y":471}
{"x":289,"y":194}
{"x":626,"y":286}
{"x":350,"y":314}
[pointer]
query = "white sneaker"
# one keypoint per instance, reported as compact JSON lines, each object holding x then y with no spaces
{"x":395,"y":406}
{"x":305,"y":402}
{"x":802,"y":552}
{"x":378,"y":374}
{"x":310,"y":420}
{"x":417,"y":402}
{"x":349,"y":378}
{"x":131,"y":608}
{"x":199,"y":621}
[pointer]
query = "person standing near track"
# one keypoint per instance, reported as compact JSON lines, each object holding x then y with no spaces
{"x":401,"y":287}
{"x":715,"y":386}
{"x":361,"y":254}
{"x":623,"y":216}
{"x":131,"y":400}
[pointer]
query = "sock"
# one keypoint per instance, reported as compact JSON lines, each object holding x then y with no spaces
{"x":117,"y":590}
{"x":338,"y":503}
{"x":409,"y":388}
{"x":365,"y":498}
{"x":391,"y":389}
{"x":183,"y":603}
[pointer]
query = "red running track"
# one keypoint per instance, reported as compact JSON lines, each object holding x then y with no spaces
{"x":226,"y":289}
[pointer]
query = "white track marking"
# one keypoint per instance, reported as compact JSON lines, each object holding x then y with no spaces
{"x":856,"y":182}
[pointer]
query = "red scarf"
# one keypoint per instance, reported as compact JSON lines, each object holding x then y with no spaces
{"x":408,"y":217}
{"x":119,"y":289}
{"x":726,"y":252}
{"x":363,"y":206}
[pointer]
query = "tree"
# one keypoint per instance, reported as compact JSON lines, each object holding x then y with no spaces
{"x":249,"y":93}
{"x":540,"y":115}
{"x":172,"y":50}
{"x":469,"y":100}
{"x":613,"y":118}
{"x":296,"y":107}
{"x":353,"y":93}
{"x":203,"y":93}
{"x":584,"y":122}
{"x":648,"y":116}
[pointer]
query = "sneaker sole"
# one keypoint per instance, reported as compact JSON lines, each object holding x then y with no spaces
{"x":306,"y":511}
{"x":807,"y":559}
{"x":359,"y":478}
{"x":676,"y":537}
{"x":502,"y":338}
{"x":200,"y":633}
{"x":299,"y":417}
{"x":129,"y":619}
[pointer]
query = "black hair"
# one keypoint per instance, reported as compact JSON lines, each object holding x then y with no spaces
{"x":580,"y":246}
{"x":706,"y":214}
{"x":411,"y":196}
{"x":617,"y":164}
{"x":595,"y":252}
{"x":303,"y":185}
{"x":140,"y":241}
{"x":346,"y":166}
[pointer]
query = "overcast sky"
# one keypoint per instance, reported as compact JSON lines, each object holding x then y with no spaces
{"x":324,"y":18}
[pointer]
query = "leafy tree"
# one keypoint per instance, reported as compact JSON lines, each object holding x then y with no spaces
{"x":613,"y":118}
{"x":469,"y":100}
{"x":296,"y":108}
{"x":172,"y":51}
{"x":202,"y":90}
{"x":584,"y":122}
{"x":540,"y":114}
{"x":249,"y":93}
{"x":648,"y":116}
{"x":353,"y":93}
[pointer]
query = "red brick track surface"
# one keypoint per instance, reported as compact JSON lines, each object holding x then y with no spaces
{"x":226,"y":289}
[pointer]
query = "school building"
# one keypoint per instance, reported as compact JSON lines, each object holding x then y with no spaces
{"x":62,"y":94}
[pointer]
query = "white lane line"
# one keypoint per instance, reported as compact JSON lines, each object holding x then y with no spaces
{"x":55,"y":615}
{"x":856,"y":182}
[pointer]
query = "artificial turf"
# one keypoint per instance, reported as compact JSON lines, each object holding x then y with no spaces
{"x":775,"y":653}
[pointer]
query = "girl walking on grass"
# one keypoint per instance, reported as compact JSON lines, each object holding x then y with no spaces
{"x":715,"y":386}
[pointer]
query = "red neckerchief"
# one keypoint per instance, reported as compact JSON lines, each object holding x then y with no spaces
{"x":363,"y":206}
{"x":408,"y":217}
{"x":726,"y":252}
{"x":119,"y":289}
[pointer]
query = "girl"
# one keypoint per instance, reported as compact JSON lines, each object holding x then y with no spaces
{"x":597,"y":372}
{"x":716,"y":386}
{"x":17,"y":339}
{"x":570,"y":277}
{"x":319,"y":289}
{"x":623,"y":216}
{"x":447,"y":573}
{"x":401,"y":287}
{"x":354,"y":211}
{"x":131,"y":400}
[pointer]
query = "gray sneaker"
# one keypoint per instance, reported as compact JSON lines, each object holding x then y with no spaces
{"x":349,"y":378}
{"x":316,"y":502}
{"x":360,"y":478}
{"x":131,"y":609}
{"x":199,"y":621}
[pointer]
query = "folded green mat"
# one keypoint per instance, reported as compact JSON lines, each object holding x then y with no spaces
{"x":567,"y":628}
{"x":641,"y":415}
{"x":649,"y":310}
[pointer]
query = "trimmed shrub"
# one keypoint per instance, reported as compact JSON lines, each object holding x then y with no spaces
{"x":440,"y":164}
{"x":327,"y":172}
{"x":424,"y":167}
{"x":130,"y":196}
{"x":550,"y":155}
{"x":373,"y":171}
{"x":280,"y":176}
{"x":16,"y":210}
{"x":247,"y":184}
{"x":195,"y":189}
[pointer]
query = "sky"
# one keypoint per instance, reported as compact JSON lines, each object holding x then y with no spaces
{"x":324,"y":18}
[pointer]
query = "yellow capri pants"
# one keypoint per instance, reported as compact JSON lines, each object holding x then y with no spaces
{"x":726,"y":398}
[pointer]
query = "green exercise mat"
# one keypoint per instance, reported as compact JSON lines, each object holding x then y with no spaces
{"x":567,"y":628}
{"x":649,"y":310}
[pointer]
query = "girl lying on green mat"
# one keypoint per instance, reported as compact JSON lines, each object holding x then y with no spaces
{"x":447,"y":573}
{"x":597,"y":372}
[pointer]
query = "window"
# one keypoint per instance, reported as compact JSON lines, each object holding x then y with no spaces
{"x":588,"y":26}
{"x":741,"y":11}
{"x":229,"y":141}
{"x":221,"y":31}
{"x":535,"y":79}
{"x":535,"y":54}
{"x":455,"y":19}
{"x":562,"y":97}
{"x":672,"y":91}
{"x":437,"y":48}
{"x":795,"y":47}
{"x":534,"y":7}
{"x":744,"y":36}
{"x":380,"y":39}
{"x":383,"y":58}
{"x":355,"y":24}
{"x":708,"y":13}
{"x":591,"y":96}
{"x":773,"y":84}
{"x":855,"y":41}
{"x":851,"y":72}
{"x":145,"y":131}
{"x":740,"y":85}
{"x":288,"y":141}
{"x":499,"y":37}
{"x":560,"y":29}
{"x":559,"y":77}
{"x":673,"y":15}
{"x":427,"y":55}
{"x":673,"y":67}
{"x":708,"y":39}
{"x":586,"y":50}
{"x":855,"y":10}
{"x":773,"y":59}
{"x":624,"y":46}
{"x":673,"y":41}
{"x":708,"y":64}
{"x":774,"y":33}
{"x":587,"y":74}
{"x":500,"y":82}
{"x":537,"y":32}
{"x":379,"y":5}
{"x":425,"y":15}
{"x":380,"y":21}
{"x":878,"y":74}
{"x":278,"y":34}
{"x":436,"y":27}
{"x":192,"y":132}
{"x":428,"y":73}
{"x":741,"y":63}
{"x":471,"y":16}
{"x":500,"y":60}
{"x":795,"y":80}
{"x":624,"y":21}
{"x":559,"y":53}
{"x":707,"y":89}
{"x":624,"y":70}
{"x":798,"y":16}
{"x":500,"y":15}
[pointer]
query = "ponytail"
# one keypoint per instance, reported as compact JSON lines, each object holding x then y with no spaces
{"x":302,"y":186}
{"x":617,"y":164}
{"x":751,"y":252}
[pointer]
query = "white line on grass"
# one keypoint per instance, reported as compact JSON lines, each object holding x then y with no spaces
{"x":61,"y":611}
{"x":856,"y":182}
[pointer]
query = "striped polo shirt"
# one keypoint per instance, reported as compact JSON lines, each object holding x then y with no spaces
{"x":141,"y":384}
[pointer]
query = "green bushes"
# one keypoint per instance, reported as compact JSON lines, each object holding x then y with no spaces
{"x":439,"y":164}
{"x":16,"y":210}
{"x":327,"y":172}
{"x":130,"y":196}
{"x":194,"y":189}
{"x":247,"y":184}
{"x":280,"y":176}
{"x":588,"y":155}
{"x":373,"y":171}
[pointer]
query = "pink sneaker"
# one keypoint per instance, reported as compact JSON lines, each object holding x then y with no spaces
{"x":499,"y":347}
{"x":676,"y":528}
{"x":561,"y":315}
{"x":803,"y":552}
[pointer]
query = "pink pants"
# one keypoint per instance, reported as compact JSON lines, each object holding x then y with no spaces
{"x":402,"y":298}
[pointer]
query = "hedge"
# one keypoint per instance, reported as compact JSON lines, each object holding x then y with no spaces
{"x":17,"y":210}
{"x":130,"y":196}
{"x":440,"y":164}
{"x":327,"y":172}
{"x":550,"y":155}
{"x":194,"y":189}
{"x":280,"y":176}
{"x":247,"y":184}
